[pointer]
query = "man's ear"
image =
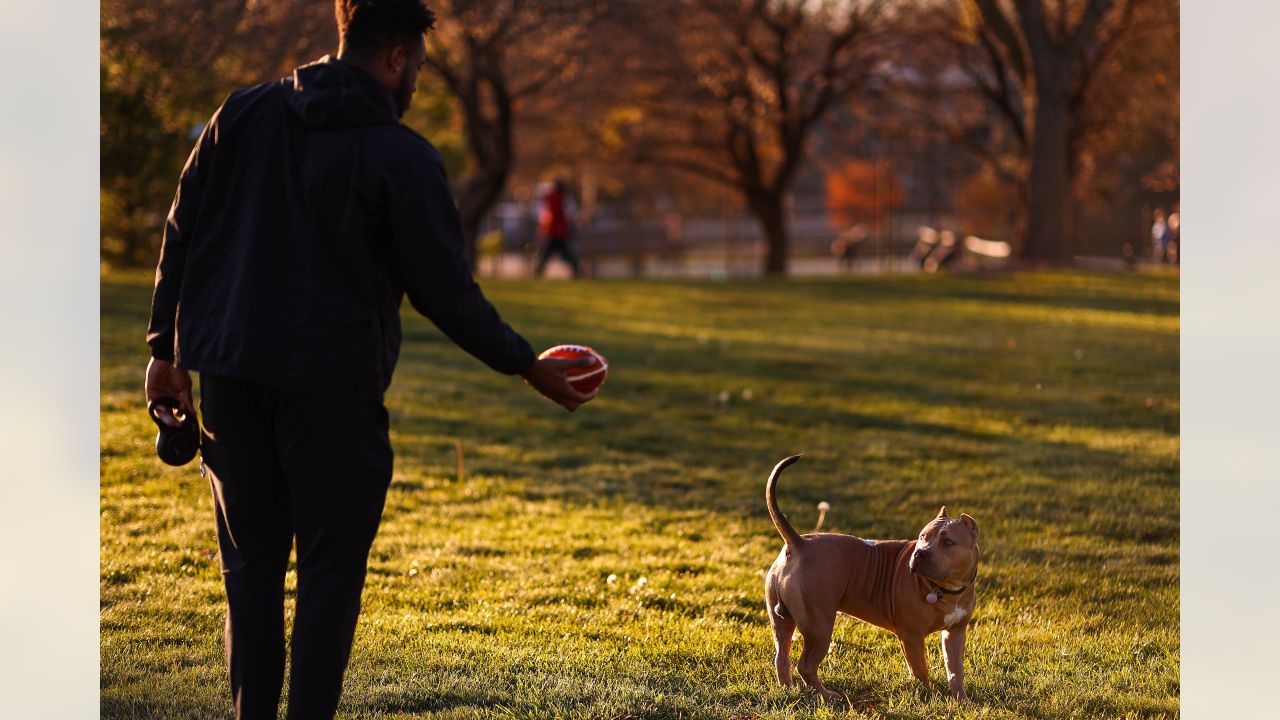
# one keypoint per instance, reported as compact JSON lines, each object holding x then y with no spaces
{"x":396,"y":59}
{"x":943,"y":512}
{"x":970,"y":523}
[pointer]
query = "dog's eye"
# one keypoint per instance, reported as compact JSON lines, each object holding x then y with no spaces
{"x":947,"y":542}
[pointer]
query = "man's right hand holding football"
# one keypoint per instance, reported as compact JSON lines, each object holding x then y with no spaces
{"x":549,"y":377}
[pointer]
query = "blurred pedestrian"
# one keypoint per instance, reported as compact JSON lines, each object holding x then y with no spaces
{"x":554,"y":225}
{"x":304,"y":216}
{"x":845,"y":247}
{"x":1174,"y":251}
{"x":1159,"y":236}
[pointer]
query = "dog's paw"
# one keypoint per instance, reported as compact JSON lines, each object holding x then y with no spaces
{"x":830,"y":695}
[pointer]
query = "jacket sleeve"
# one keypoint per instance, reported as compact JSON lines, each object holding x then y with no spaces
{"x":429,"y":261}
{"x":173,"y":246}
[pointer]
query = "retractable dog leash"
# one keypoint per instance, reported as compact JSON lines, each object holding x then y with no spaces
{"x":176,"y":446}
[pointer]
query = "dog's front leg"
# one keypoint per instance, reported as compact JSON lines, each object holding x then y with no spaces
{"x":917,"y":660}
{"x":953,"y":654}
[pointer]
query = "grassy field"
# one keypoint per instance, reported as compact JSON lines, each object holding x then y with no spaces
{"x":609,"y":563}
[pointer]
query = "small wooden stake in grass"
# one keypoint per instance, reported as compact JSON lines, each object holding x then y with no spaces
{"x":458,"y":445}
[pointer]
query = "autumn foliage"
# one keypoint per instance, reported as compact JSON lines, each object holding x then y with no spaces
{"x":862,"y":191}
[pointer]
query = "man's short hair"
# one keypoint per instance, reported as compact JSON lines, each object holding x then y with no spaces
{"x":376,"y":25}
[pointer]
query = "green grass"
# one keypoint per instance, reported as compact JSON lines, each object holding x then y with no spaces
{"x":1045,"y":405}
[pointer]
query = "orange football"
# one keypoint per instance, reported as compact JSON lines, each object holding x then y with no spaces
{"x":584,"y":379}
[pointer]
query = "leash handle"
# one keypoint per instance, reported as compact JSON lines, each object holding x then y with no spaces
{"x":166,"y":403}
{"x":175,"y":445}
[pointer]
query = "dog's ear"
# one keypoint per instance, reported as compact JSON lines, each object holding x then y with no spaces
{"x":943,"y":512}
{"x":970,"y":523}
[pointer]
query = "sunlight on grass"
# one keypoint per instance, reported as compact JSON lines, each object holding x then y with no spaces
{"x":1045,"y":405}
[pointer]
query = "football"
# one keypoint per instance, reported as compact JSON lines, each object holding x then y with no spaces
{"x":584,"y":379}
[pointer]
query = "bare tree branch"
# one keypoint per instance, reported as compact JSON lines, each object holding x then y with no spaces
{"x":1002,"y":93}
{"x":1091,"y":57}
{"x":1086,"y":30}
{"x":687,"y":164}
{"x":1002,"y":28}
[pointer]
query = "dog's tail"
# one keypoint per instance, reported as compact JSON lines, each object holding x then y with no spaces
{"x":789,"y":534}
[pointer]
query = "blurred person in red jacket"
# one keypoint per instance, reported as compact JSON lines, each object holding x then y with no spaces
{"x":554,"y":225}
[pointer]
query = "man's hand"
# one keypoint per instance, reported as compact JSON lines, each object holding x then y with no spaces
{"x":547,"y":376}
{"x":164,"y":379}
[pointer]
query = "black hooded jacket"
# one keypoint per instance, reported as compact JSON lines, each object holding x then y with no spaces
{"x":303,"y":216}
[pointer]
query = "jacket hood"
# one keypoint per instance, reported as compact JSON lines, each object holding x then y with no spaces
{"x":330,"y":93}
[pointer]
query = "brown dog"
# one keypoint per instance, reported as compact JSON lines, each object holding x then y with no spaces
{"x":909,"y":587}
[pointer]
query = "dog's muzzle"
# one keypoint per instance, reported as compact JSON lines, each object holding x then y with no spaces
{"x":921,"y":563}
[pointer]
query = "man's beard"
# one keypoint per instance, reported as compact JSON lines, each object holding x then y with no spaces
{"x":404,"y":91}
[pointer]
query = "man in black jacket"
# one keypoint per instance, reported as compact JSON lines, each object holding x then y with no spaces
{"x":304,"y":215}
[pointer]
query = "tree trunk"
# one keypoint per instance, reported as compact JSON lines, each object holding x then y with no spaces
{"x":478,"y":196}
{"x":769,"y":212}
{"x":1048,"y":192}
{"x":489,"y":137}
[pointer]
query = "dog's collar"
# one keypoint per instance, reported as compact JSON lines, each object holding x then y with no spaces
{"x":936,"y":589}
{"x":940,"y":589}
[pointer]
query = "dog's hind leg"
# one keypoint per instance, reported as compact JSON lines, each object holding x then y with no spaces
{"x":817,"y":639}
{"x":783,"y":629}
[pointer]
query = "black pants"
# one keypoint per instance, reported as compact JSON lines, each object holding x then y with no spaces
{"x":284,"y":465}
{"x":558,"y":246}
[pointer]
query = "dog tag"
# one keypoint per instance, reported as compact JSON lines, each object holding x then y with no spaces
{"x":932,"y":598}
